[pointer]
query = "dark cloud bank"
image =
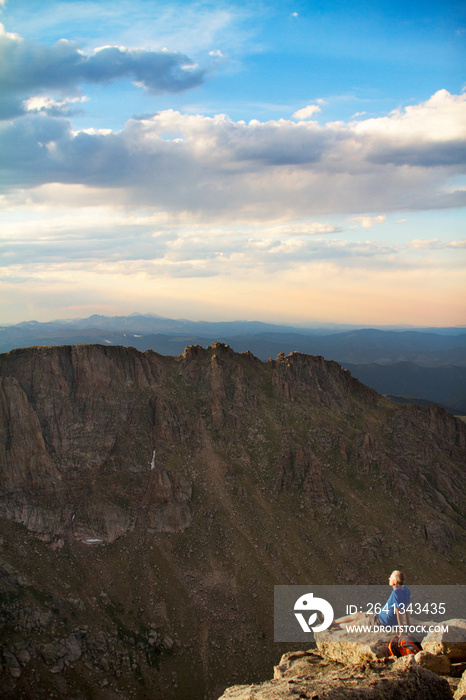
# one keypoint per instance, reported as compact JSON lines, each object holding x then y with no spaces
{"x":32,"y":68}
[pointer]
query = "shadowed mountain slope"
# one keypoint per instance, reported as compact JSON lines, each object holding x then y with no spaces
{"x":149,"y":504}
{"x":444,"y":385}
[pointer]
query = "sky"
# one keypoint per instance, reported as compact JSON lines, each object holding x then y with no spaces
{"x":294,"y":162}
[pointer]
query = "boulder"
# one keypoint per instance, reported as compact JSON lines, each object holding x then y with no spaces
{"x":12,"y":664}
{"x":402,"y":679}
{"x":23,"y":657}
{"x":460,"y":693}
{"x":297,"y":664}
{"x":338,"y":646}
{"x":437,"y":663}
{"x":451,"y":643}
{"x":56,"y":654}
{"x":457,"y":670}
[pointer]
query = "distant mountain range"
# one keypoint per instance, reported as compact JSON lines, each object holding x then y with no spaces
{"x":428,"y":364}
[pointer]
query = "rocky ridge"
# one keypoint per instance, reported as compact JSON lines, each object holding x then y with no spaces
{"x":149,"y":504}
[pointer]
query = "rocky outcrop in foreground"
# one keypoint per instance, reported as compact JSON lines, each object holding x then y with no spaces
{"x":402,"y":679}
{"x":443,"y":646}
{"x":328,"y":674}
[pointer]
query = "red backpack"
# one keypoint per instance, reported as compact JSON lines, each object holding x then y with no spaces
{"x":403,"y":645}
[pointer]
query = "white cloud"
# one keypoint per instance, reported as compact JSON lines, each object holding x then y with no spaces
{"x":306,"y":112}
{"x":437,"y":119}
{"x":428,"y":134}
{"x":437,"y":244}
{"x":54,"y":108}
{"x":314,"y":228}
{"x":369,"y":221}
{"x":133,"y":249}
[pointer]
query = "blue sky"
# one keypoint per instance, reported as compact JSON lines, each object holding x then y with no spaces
{"x":283,"y":161}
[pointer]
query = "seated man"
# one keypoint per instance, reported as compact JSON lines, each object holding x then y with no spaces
{"x":393,"y":613}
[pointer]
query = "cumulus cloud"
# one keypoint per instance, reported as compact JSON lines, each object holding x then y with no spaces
{"x":262,"y":170}
{"x":426,"y":135}
{"x":31,"y":68}
{"x":54,"y":108}
{"x":306,"y":112}
{"x":369,"y":221}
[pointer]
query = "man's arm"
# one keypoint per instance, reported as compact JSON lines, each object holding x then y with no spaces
{"x":402,"y":618}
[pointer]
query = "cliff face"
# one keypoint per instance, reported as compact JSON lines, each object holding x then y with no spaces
{"x":184,"y":488}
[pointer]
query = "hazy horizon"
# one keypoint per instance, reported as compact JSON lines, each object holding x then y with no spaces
{"x":279,"y":323}
{"x":294,"y":163}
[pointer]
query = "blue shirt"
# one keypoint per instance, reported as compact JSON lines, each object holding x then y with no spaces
{"x":398,"y":597}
